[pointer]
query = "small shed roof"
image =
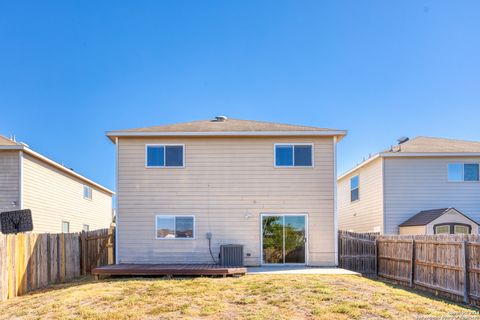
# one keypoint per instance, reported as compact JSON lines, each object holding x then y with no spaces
{"x":426,"y":216}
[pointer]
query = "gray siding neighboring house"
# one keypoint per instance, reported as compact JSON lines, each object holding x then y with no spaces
{"x":411,"y":177}
{"x":54,"y":193}
{"x":228,"y":182}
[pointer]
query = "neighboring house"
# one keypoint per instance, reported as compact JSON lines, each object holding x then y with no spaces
{"x":420,"y":174}
{"x":267,"y":186}
{"x":60,"y":199}
{"x":439,"y":221}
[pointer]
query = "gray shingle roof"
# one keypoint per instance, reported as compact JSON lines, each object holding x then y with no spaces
{"x":4,"y":141}
{"x":426,"y":216}
{"x":229,"y":125}
{"x":431,"y":144}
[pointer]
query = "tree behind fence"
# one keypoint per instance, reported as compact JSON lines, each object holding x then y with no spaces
{"x":29,"y":261}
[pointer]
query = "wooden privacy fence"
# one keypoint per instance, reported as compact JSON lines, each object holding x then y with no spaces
{"x":443,"y":264}
{"x":29,"y":261}
{"x":357,"y":252}
{"x":446,"y":264}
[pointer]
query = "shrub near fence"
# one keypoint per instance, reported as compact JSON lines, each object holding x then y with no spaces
{"x":29,"y":261}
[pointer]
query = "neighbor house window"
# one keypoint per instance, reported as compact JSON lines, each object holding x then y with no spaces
{"x":87,"y":192}
{"x":463,"y":172}
{"x":160,"y":156}
{"x":65,"y":226}
{"x":452,"y":228}
{"x":354,"y":189}
{"x":86,"y":227}
{"x":293,"y":155}
{"x":460,"y":229}
{"x":175,"y":227}
{"x":445,"y":229}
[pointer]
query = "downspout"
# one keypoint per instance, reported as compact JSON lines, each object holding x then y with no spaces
{"x":335,"y":212}
{"x":384,"y":222}
{"x":117,"y":212}
{"x":20,"y":164}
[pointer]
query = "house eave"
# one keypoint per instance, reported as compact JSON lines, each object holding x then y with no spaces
{"x":409,"y":155}
{"x":330,"y":133}
{"x":56,"y":165}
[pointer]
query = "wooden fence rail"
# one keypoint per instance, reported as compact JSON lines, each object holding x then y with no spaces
{"x":29,"y":261}
{"x":443,"y":264}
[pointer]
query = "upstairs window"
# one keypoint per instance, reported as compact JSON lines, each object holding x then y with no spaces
{"x":463,"y":172}
{"x":293,"y":155}
{"x":87,"y":192}
{"x":175,"y":227}
{"x":161,"y":156}
{"x":354,"y":189}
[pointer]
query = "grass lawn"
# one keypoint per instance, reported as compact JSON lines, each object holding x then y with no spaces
{"x":249,"y":297}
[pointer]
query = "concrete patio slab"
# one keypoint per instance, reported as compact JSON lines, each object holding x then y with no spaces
{"x":299,"y":270}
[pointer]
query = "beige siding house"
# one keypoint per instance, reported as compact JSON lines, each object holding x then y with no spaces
{"x":59,"y":198}
{"x":420,"y":174}
{"x":255,"y":184}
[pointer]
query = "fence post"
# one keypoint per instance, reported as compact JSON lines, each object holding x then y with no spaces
{"x":412,"y":265}
{"x":110,"y":246}
{"x":466,"y":278}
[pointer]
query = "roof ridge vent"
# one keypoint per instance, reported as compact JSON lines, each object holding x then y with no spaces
{"x":220,"y":118}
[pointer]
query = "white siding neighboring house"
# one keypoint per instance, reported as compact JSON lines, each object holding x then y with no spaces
{"x":59,"y":198}
{"x":420,"y":174}
{"x":245,"y":182}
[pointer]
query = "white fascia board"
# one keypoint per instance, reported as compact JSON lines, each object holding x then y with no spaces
{"x":364,"y":163}
{"x":113,"y":134}
{"x":429,"y":154}
{"x":11,"y":147}
{"x":59,"y":166}
{"x":411,"y":155}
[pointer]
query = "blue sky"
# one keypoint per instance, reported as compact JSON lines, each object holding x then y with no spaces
{"x":71,"y":70}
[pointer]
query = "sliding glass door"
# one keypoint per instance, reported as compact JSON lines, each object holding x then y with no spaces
{"x":284,"y":239}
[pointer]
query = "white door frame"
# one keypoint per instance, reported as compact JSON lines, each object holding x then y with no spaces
{"x":307,"y":239}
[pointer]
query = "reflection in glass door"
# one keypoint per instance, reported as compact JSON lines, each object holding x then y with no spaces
{"x":283,"y":239}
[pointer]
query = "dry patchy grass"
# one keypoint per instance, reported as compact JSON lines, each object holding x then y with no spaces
{"x":249,"y":297}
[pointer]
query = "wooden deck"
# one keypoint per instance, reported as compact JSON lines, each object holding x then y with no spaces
{"x":167,"y":270}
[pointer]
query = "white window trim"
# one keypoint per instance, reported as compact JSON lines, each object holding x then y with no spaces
{"x":355,"y":188}
{"x":164,"y":155}
{"x":307,"y":237}
{"x":463,"y":172}
{"x":85,"y":225}
{"x":292,"y":144}
{"x":174,"y":231}
{"x":90,"y":192}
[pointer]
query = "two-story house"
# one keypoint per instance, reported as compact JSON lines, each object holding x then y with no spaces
{"x":421,"y":186}
{"x":185,"y":189}
{"x":60,"y":199}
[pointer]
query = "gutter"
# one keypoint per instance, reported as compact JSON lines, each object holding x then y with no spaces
{"x":336,"y":133}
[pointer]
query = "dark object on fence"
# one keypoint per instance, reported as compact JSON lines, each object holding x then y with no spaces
{"x":16,"y":221}
{"x":357,"y":252}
